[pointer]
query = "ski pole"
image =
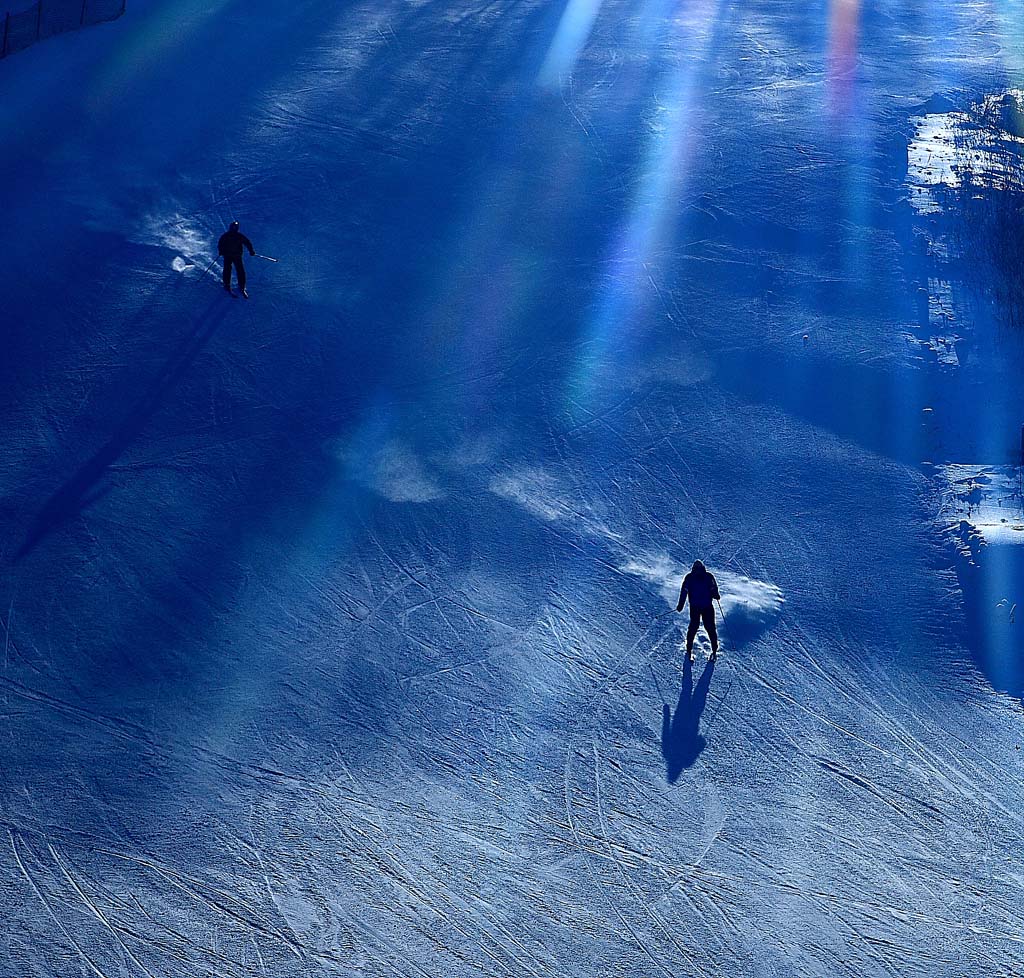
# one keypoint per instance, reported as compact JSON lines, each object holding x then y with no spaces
{"x":265,"y":257}
{"x":721,"y":612}
{"x":206,"y":270}
{"x":656,"y":683}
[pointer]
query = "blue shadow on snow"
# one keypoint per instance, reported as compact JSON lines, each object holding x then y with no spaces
{"x":681,"y":740}
{"x":84,"y":488}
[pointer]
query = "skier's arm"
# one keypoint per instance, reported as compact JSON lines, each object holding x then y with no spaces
{"x":682,"y":594}
{"x":220,"y":246}
{"x":714,"y":589}
{"x":248,"y":244}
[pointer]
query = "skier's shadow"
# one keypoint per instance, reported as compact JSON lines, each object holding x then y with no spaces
{"x":681,"y":740}
{"x":84,"y":487}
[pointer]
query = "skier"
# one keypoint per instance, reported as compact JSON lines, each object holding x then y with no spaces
{"x":701,"y":588}
{"x":230,"y":246}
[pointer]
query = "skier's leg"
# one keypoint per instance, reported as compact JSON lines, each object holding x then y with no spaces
{"x":712,"y":627}
{"x":227,"y":273}
{"x":691,"y":631}
{"x":240,"y":272}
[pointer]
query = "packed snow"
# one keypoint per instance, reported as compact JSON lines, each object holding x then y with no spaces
{"x":339,"y":624}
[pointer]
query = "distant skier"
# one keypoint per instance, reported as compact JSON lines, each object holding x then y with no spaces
{"x":230,"y":247}
{"x":701,"y":588}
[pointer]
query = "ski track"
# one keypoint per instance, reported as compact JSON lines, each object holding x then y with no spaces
{"x":331,"y":620}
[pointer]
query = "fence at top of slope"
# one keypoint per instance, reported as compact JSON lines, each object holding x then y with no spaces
{"x":48,"y":17}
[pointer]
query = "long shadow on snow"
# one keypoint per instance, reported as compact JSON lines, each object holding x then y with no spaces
{"x":681,"y":740}
{"x":83,"y":489}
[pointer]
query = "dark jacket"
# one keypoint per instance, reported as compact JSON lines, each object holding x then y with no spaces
{"x":231,"y":244}
{"x":700,"y":586}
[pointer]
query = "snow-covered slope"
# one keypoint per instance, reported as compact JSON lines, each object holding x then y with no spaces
{"x":337,"y":624}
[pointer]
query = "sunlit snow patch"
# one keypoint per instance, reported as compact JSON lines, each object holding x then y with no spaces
{"x":947,"y":146}
{"x":982,"y":506}
{"x":933,"y":157}
{"x":957,"y":150}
